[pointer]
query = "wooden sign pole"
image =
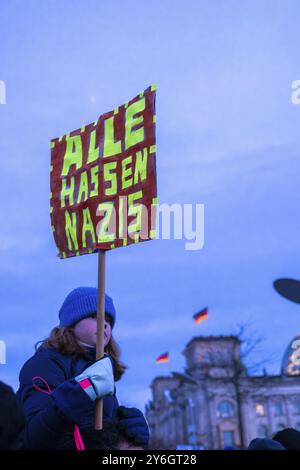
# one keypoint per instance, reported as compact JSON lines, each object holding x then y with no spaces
{"x":100,"y":329}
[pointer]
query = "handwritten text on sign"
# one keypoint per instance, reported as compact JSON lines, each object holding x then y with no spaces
{"x":103,"y":180}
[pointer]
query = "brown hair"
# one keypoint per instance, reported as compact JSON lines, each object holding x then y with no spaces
{"x":63,"y":340}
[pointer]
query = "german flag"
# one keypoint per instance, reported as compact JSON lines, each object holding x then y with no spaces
{"x":162,"y":358}
{"x":200,"y":316}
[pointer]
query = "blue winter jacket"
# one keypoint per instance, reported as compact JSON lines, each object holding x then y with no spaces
{"x":50,"y":419}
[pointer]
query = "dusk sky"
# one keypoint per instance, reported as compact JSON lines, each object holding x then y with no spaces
{"x":228,"y":137}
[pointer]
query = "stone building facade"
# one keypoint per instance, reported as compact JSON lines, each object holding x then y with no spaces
{"x":215,"y":403}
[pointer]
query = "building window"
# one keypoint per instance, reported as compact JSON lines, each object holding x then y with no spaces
{"x":168,"y":395}
{"x":260,"y":409}
{"x":208,"y":358}
{"x":262,"y":431}
{"x":226,"y":409}
{"x":278,"y":408}
{"x":296,"y":407}
{"x":230,"y":357}
{"x":228,"y":438}
{"x":219,"y":358}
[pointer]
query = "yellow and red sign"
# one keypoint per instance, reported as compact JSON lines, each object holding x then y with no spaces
{"x":103,"y":180}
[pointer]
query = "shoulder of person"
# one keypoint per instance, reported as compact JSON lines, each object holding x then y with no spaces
{"x":45,"y":362}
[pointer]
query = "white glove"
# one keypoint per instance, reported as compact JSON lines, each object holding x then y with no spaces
{"x":98,"y":379}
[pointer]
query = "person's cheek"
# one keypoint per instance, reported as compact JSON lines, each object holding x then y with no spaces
{"x":87,"y":334}
{"x":94,"y":330}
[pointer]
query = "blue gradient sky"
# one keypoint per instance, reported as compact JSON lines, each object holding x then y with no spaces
{"x":227,"y":136}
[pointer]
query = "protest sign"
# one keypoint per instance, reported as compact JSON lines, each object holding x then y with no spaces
{"x":103,"y":180}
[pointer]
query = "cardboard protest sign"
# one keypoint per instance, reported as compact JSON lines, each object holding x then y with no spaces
{"x":103,"y":180}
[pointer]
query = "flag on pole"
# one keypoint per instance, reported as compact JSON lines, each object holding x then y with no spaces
{"x":162,"y":358}
{"x":200,"y":316}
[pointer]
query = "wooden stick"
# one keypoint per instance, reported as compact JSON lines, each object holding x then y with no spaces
{"x":100,"y":329}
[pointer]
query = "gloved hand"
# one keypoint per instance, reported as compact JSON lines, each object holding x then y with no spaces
{"x":132,"y":422}
{"x":98,"y":379}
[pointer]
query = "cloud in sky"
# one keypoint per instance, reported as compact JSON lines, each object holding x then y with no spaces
{"x":227,"y":136}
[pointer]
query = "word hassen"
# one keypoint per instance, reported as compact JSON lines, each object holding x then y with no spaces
{"x":132,"y":170}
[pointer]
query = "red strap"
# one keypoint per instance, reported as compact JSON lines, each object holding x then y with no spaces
{"x":77,"y":436}
{"x":78,"y":439}
{"x":48,"y":391}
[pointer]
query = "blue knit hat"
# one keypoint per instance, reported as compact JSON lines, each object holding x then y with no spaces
{"x":82,"y":303}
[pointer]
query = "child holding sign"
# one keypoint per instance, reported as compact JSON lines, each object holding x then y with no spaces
{"x":60,"y":383}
